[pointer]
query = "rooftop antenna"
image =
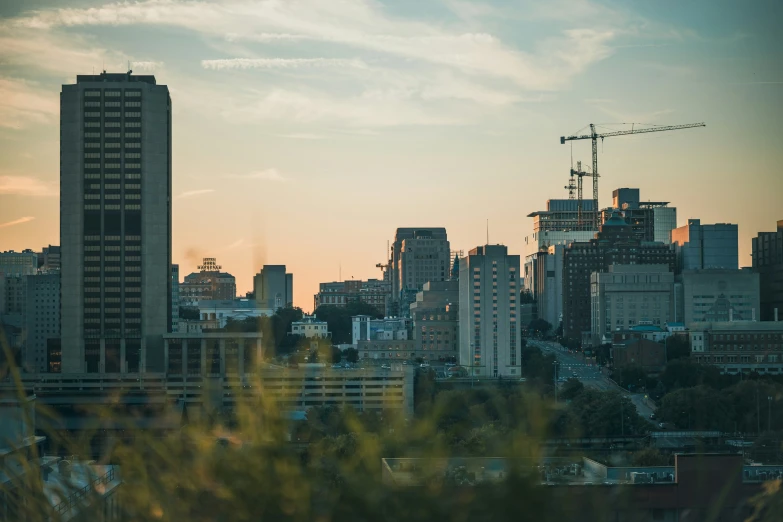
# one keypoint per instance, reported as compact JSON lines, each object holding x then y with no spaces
{"x":488,"y":231}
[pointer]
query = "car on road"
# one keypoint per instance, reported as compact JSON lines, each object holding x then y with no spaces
{"x":652,"y":416}
{"x":574,"y":374}
{"x":385,"y":367}
{"x":424,"y":365}
{"x":405,"y":362}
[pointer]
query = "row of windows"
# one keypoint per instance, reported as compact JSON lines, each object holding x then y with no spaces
{"x":111,"y":124}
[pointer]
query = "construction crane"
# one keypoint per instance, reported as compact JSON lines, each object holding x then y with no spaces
{"x":594,"y":137}
{"x":575,"y":185}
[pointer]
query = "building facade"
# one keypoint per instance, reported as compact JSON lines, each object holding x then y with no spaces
{"x":19,"y":263}
{"x":559,"y":224}
{"x":650,"y":220}
{"x":42,"y":319}
{"x":174,"y":298}
{"x":768,"y":262}
{"x":209,"y":283}
{"x":547,"y":266}
{"x":273,"y":287}
{"x":373,"y":292}
{"x":115,"y":222}
{"x":711,"y":296}
{"x":615,"y":244}
{"x":739,"y":346}
{"x":627,"y":295}
{"x":309,"y":326}
{"x":702,"y":247}
{"x":435,"y":315}
{"x":489,"y":329}
{"x":418,"y":255}
{"x":49,"y":259}
{"x":216,"y":313}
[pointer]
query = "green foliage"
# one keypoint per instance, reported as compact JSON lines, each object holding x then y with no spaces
{"x":678,"y":347}
{"x":538,"y":368}
{"x":650,"y":457}
{"x":698,"y":408}
{"x":605,"y":413}
{"x":571,"y":388}
{"x":632,"y":378}
{"x":539,"y":326}
{"x":338,"y":318}
{"x":189,"y":313}
{"x":351,"y":355}
{"x":526,"y":297}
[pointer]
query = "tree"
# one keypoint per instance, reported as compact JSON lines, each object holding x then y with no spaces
{"x":539,"y":326}
{"x":189,"y":313}
{"x":338,"y":318}
{"x":649,"y":457}
{"x":351,"y":355}
{"x":697,"y":408}
{"x":677,"y":347}
{"x":571,"y":388}
{"x":631,"y":377}
{"x":526,"y":297}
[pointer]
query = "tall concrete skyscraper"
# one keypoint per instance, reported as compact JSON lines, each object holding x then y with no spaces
{"x":489,"y":329}
{"x":418,"y":256}
{"x":115,"y":223}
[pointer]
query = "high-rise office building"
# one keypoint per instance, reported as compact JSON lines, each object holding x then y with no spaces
{"x":418,"y":256}
{"x":489,"y":329}
{"x":615,"y":244}
{"x":702,"y":247}
{"x":650,"y":220}
{"x":768,"y":262}
{"x":115,"y":223}
{"x":18,"y":263}
{"x":42,"y":318}
{"x":174,"y":298}
{"x":273,"y":287}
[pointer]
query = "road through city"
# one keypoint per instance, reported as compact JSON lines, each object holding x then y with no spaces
{"x":590,"y":374}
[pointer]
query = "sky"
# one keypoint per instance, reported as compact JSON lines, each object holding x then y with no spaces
{"x":307,"y":131}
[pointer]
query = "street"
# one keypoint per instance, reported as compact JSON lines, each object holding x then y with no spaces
{"x":590,"y":374}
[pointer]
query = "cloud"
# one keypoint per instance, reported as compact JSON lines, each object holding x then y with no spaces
{"x":146,"y":65}
{"x":26,"y":186}
{"x":267,"y":37}
{"x":239,"y":242}
{"x":19,"y":221}
{"x":360,"y":24}
{"x":192,"y":193}
{"x":301,"y":136}
{"x":24,"y":103}
{"x":266,"y":175}
{"x":280,"y":63}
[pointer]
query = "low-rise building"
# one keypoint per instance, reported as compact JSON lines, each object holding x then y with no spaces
{"x":739,"y":346}
{"x":373,"y":292}
{"x":387,"y":338}
{"x":215,"y":313}
{"x":643,"y":353}
{"x":309,"y":326}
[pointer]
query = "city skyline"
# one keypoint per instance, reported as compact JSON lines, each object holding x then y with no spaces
{"x":289,"y":129}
